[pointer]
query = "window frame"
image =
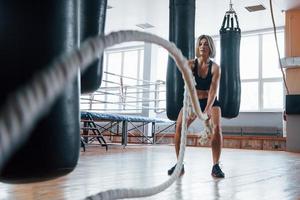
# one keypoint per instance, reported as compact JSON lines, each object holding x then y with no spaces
{"x":123,"y":50}
{"x":260,"y":80}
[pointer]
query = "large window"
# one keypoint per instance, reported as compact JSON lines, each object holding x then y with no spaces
{"x":124,"y":69}
{"x":261,"y":78}
{"x":161,"y":74}
{"x":249,"y":57}
{"x":119,"y":91}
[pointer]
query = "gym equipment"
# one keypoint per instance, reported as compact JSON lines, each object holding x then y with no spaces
{"x":92,"y":23}
{"x":181,"y":32}
{"x":33,"y":34}
{"x":230,"y":83}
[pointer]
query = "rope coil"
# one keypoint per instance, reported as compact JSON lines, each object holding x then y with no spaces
{"x":22,"y":110}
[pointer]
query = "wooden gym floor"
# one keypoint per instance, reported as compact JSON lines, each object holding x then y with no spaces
{"x":250,"y":174}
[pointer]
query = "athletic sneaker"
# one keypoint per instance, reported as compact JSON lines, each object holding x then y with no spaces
{"x":217,"y":172}
{"x":170,"y":171}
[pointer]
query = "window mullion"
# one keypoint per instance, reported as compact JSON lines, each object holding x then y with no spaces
{"x":121,"y":106}
{"x":105,"y":83}
{"x":260,"y":78}
{"x":138,"y":76}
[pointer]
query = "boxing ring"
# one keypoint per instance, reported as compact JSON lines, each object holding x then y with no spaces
{"x":125,"y":97}
{"x":98,"y":126}
{"x":119,"y":110}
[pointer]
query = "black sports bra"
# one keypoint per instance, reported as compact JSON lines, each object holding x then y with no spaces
{"x":202,"y":83}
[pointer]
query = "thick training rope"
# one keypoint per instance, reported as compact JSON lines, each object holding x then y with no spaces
{"x":23,"y":109}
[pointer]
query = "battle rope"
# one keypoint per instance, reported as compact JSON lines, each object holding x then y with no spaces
{"x":277,"y":49}
{"x":23,"y":109}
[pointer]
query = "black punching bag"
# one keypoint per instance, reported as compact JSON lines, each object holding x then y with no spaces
{"x":181,"y":32}
{"x":92,"y":23}
{"x":230,"y":83}
{"x":32,"y":34}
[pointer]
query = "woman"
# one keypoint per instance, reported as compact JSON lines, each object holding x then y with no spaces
{"x":207,"y":76}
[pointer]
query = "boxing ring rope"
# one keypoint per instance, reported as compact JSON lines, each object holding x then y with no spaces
{"x":131,"y":96}
{"x":22,"y":109}
{"x":127,"y":77}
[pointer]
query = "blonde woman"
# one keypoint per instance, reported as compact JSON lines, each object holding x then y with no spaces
{"x":207,"y":76}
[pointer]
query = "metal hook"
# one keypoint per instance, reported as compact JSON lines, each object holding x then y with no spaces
{"x":231,"y":10}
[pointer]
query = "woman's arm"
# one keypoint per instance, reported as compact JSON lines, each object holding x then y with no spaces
{"x":212,"y":93}
{"x":191,"y":64}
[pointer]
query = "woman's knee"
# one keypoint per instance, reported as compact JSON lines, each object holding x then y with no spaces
{"x":217,"y":129}
{"x":178,"y":127}
{"x":217,"y":135}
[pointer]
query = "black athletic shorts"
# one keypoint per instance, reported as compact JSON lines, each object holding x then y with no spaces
{"x":203,"y":103}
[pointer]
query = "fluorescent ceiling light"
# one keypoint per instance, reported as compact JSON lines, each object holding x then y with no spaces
{"x":255,"y":8}
{"x":145,"y":26}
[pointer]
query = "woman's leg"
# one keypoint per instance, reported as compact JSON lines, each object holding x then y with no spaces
{"x":216,"y":142}
{"x":177,"y":138}
{"x":177,"y":135}
{"x":217,"y":139}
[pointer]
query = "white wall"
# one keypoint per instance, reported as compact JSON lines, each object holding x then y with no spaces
{"x":271,"y":119}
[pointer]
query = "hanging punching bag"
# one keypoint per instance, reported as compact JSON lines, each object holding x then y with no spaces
{"x":181,"y":32}
{"x":230,"y":84}
{"x":32,"y":34}
{"x":92,"y":23}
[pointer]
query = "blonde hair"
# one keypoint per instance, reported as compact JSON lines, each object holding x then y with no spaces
{"x":211,"y":45}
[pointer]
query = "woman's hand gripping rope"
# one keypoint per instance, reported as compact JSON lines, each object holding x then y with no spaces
{"x":207,"y":130}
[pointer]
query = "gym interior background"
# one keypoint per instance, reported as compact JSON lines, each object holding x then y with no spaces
{"x":128,"y":86}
